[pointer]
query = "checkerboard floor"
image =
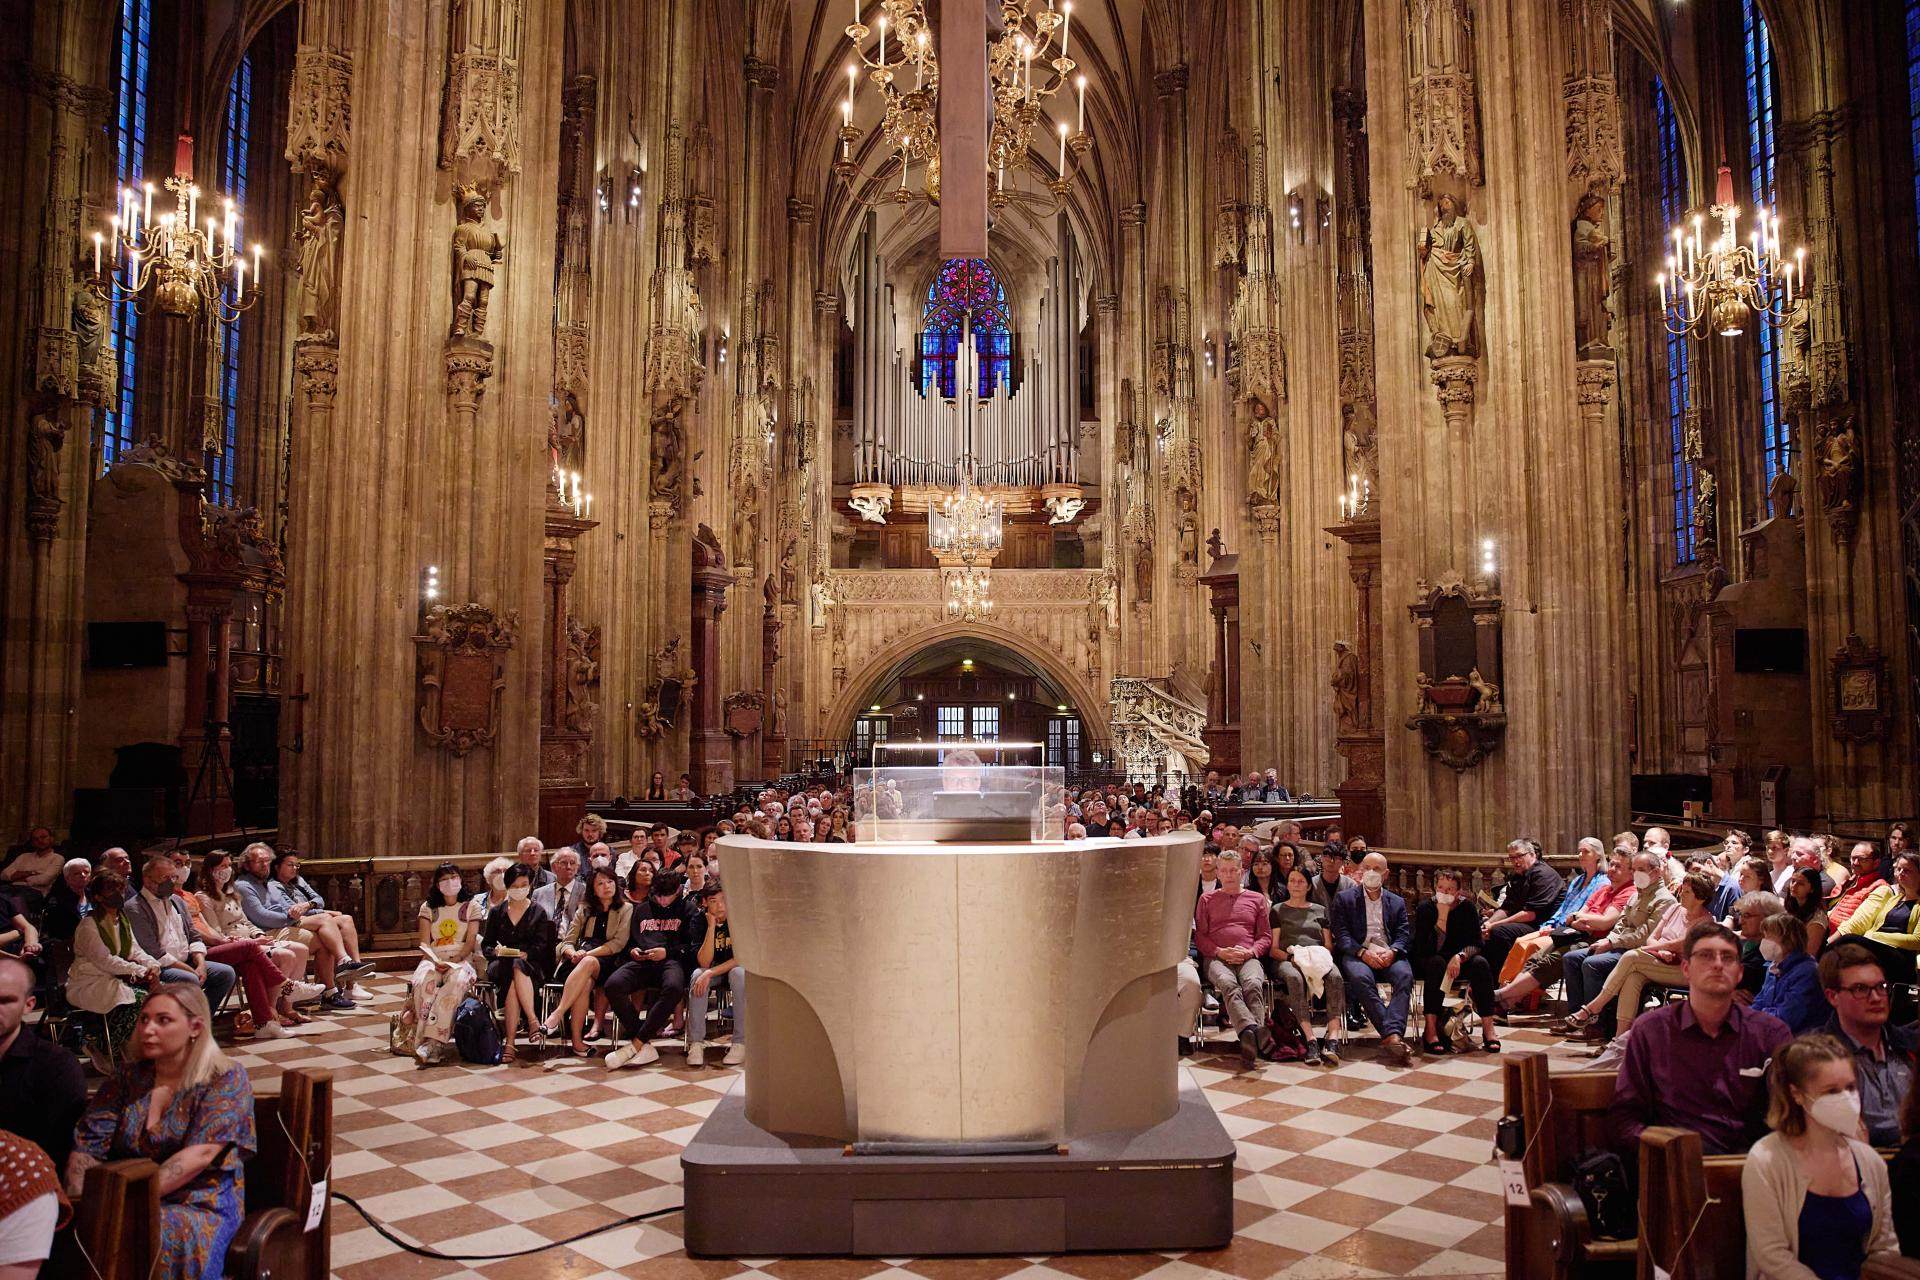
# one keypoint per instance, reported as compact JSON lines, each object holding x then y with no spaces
{"x":1364,"y":1171}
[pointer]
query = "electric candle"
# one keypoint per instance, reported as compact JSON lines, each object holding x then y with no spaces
{"x":1081,"y":125}
{"x":1066,"y":27}
{"x":96,"y":253}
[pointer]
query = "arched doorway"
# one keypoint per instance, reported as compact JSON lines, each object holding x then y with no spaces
{"x":961,"y":682}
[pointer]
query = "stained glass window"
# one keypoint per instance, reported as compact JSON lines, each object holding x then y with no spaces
{"x":1776,"y":433}
{"x":965,"y":290}
{"x":132,"y":52}
{"x":1673,"y":209}
{"x":233,"y":181}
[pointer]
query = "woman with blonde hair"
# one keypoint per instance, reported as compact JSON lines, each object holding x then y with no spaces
{"x":1815,"y":1196}
{"x":186,"y":1107}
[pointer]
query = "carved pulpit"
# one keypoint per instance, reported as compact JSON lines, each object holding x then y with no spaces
{"x":570,"y":690}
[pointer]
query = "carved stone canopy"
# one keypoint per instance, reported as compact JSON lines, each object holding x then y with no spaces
{"x":462,"y":655}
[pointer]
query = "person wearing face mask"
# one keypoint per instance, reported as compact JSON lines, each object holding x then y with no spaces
{"x":518,"y":941}
{"x":164,"y":931}
{"x":1884,"y":1053}
{"x":663,"y":944}
{"x":1815,"y":1197}
{"x":1587,"y":968}
{"x":1371,"y":940}
{"x":494,"y":876}
{"x":1447,"y":947}
{"x":448,"y":937}
{"x":1657,"y":960}
{"x":1791,"y":991}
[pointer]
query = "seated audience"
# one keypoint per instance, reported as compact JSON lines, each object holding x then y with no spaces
{"x":1791,"y":991}
{"x":222,"y":919}
{"x":184,"y":1106}
{"x":42,"y":1088}
{"x":266,"y":985}
{"x":564,"y":892}
{"x":163,"y":929}
{"x":638,"y":883}
{"x":1447,"y":947}
{"x":66,"y":902}
{"x":1697,"y":1064}
{"x":590,"y":950}
{"x":662,"y":943}
{"x":1588,"y":967}
{"x":494,"y":877}
{"x":1804,"y":903}
{"x":698,"y":881}
{"x":686,"y":794}
{"x":1864,"y":865}
{"x":1372,"y":938}
{"x":30,"y":1207}
{"x":518,"y":941}
{"x":449,"y":935}
{"x":1815,"y":1198}
{"x":1888,"y":922}
{"x":1779,"y":854}
{"x":1750,"y":875}
{"x":1260,"y":873}
{"x":117,"y":861}
{"x":110,"y":975}
{"x":270,"y":905}
{"x":528,"y":853}
{"x":715,"y":963}
{"x":1884,"y":1063}
{"x":1302,"y":957}
{"x":656,"y":787}
{"x":35,"y":868}
{"x":1595,"y":920}
{"x":1532,"y":939}
{"x":1656,"y":961}
{"x":1232,"y":931}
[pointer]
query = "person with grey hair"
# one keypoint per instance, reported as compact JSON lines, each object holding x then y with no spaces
{"x":565,"y":890}
{"x":1750,"y":914}
{"x":1587,"y":968}
{"x":1075,"y":831}
{"x":528,"y":854}
{"x":1232,"y":930}
{"x":1533,"y":890}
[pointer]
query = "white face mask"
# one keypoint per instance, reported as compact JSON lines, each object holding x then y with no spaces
{"x":1372,"y":879}
{"x":518,"y":893}
{"x":1769,"y":950}
{"x":1445,"y":899}
{"x":1839,"y":1112}
{"x":1642,"y":879}
{"x":221,"y":876}
{"x":450,"y":886}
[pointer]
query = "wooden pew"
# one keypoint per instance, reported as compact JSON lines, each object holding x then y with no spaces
{"x":1679,"y":1187}
{"x":1562,"y":1115}
{"x":117,"y":1220}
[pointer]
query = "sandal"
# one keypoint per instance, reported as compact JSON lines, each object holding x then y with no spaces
{"x":1490,"y":1044}
{"x":1435,"y":1047}
{"x":1574,"y":1023}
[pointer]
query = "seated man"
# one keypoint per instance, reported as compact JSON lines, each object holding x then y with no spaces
{"x":1372,"y":939}
{"x":1533,"y":890}
{"x":32,"y":871}
{"x":1273,"y":792}
{"x":164,"y":930}
{"x":270,"y":908}
{"x":42,"y":1089}
{"x":1884,"y":1066}
{"x":1331,"y":880}
{"x":1864,"y":877}
{"x":1231,"y":931}
{"x":566,"y":889}
{"x":1699,"y":1064}
{"x":1604,"y":906}
{"x":528,"y":853}
{"x":1586,"y":968}
{"x":67,"y":901}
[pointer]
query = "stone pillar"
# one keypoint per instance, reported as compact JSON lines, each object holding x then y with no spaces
{"x":773,"y":716}
{"x":1222,"y":733}
{"x":1362,"y":741}
{"x":712,"y":750}
{"x":569,"y":708}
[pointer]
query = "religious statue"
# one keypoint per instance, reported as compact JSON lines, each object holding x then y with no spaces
{"x":1839,"y":466}
{"x":1263,"y":450}
{"x":1424,"y":683}
{"x":1346,"y":688}
{"x":1216,"y":545}
{"x":1189,"y":538}
{"x":45,"y":438}
{"x":583,"y":677}
{"x":779,"y":725}
{"x":1143,"y":570}
{"x":1488,"y":703}
{"x":321,"y":225}
{"x":822,"y":601}
{"x":1783,"y":492}
{"x":1362,"y":447}
{"x":770,"y":593}
{"x":1449,"y":260}
{"x":476,"y":252}
{"x":790,"y":571}
{"x":1706,"y":514}
{"x":566,"y":437}
{"x":669,"y":457}
{"x":746,"y":520}
{"x":1592,"y":276}
{"x":89,"y":326}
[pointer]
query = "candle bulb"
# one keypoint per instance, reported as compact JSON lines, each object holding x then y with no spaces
{"x":96,"y":253}
{"x":1066,"y":27}
{"x":1081,"y":125}
{"x":239,"y":278}
{"x":588,"y":511}
{"x":846,"y":113}
{"x":883,"y":39}
{"x":256,"y":264}
{"x":1063,"y":148}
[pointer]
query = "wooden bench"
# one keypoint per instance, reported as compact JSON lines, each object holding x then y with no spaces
{"x":1561,"y":1116}
{"x":116,"y":1223}
{"x":1679,"y":1187}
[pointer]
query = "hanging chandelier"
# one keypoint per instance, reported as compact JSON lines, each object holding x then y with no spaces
{"x":177,"y":263}
{"x":909,"y":121}
{"x":969,"y":593}
{"x":966,"y":525}
{"x":1714,"y":287}
{"x":1020,"y":97}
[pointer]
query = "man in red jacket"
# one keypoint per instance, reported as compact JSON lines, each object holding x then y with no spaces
{"x":1865,"y":877}
{"x":1232,"y":929}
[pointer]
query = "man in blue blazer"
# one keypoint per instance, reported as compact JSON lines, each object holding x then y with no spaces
{"x":1371,"y":940}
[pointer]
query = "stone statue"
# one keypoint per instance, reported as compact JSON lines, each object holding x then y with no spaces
{"x":1189,"y":539}
{"x":1346,"y":687}
{"x":1449,"y":260}
{"x":779,"y":726}
{"x":790,"y":571}
{"x":1488,"y":703}
{"x":1216,"y":545}
{"x":476,"y":252}
{"x":89,"y":326}
{"x":1143,"y":570}
{"x":1592,"y":276}
{"x":770,"y":594}
{"x":1424,"y":683}
{"x":822,"y":601}
{"x":669,"y":457}
{"x":1783,"y":492}
{"x":321,"y":225}
{"x":1840,"y":466}
{"x":1706,"y":514}
{"x":45,"y":438}
{"x":1263,"y":455}
{"x":568,"y":433}
{"x":746,"y":520}
{"x":583,"y":677}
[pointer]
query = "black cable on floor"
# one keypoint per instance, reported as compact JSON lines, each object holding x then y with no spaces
{"x":423,"y":1251}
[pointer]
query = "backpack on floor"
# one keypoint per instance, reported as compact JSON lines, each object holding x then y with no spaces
{"x":1286,"y":1042}
{"x":474,"y":1034}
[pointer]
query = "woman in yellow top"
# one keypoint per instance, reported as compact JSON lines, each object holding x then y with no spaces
{"x":449,"y":935}
{"x":1888,"y":922}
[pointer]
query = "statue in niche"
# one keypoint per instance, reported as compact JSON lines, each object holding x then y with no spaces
{"x":778,"y":727}
{"x":45,"y":438}
{"x":1783,"y":492}
{"x":1424,"y":683}
{"x":321,"y":225}
{"x":1840,"y":466}
{"x":567,"y":435}
{"x":1189,"y":539}
{"x":669,"y":457}
{"x":746,"y":520}
{"x":790,"y":571}
{"x":1263,"y":451}
{"x":1346,"y":687}
{"x":1488,"y":703}
{"x":89,"y":326}
{"x":822,"y":601}
{"x":1362,"y":449}
{"x":1143,"y":570}
{"x":1449,"y":259}
{"x":1706,"y":516}
{"x":1592,"y":276}
{"x":476,"y":252}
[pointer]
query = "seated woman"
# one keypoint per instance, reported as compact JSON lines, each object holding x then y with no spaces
{"x":1302,"y":954}
{"x":449,"y":934}
{"x":1816,"y":1199}
{"x":1751,"y":875}
{"x":518,"y":944}
{"x":1446,"y":948}
{"x":591,"y":948}
{"x":265,"y":983}
{"x":494,"y":876}
{"x":223,"y":918}
{"x":698,"y":880}
{"x":111,"y":974}
{"x":1261,"y":877}
{"x":639,"y":882}
{"x":286,"y":873}
{"x":184,"y":1106}
{"x":656,"y":787}
{"x":1656,"y":961}
{"x":1803,"y":902}
{"x":1888,"y":922}
{"x":1792,"y":991}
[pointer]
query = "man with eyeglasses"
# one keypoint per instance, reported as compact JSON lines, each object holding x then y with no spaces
{"x":1533,"y":891}
{"x":1865,"y":877}
{"x":1883,"y":1054}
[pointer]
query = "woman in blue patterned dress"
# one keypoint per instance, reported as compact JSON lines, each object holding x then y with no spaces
{"x":186,"y":1107}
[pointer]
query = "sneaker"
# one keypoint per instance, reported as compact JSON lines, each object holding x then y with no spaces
{"x":353,"y":967}
{"x":358,"y":992}
{"x":307,"y":992}
{"x":634,"y":1053}
{"x":736,"y":1054}
{"x":338,"y":1000}
{"x":696,"y":1053}
{"x":1313,"y":1053}
{"x":1329,"y":1052}
{"x":270,"y":1031}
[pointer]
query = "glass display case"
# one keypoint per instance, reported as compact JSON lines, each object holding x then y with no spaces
{"x":959,"y":792}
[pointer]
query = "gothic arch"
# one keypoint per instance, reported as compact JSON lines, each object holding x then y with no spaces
{"x":1088,"y":701}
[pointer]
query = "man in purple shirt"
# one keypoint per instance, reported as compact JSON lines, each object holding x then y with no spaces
{"x":1700,"y":1064}
{"x":1233,"y":930}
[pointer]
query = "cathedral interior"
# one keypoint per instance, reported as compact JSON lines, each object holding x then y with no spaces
{"x":434,"y":421}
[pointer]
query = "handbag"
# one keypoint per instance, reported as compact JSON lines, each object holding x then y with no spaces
{"x":1567,"y":939}
{"x":403,"y":1034}
{"x":1286,"y":1042}
{"x":1600,"y":1180}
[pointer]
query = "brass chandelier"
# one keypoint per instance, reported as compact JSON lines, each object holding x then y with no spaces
{"x":177,"y":262}
{"x":1717,"y":286}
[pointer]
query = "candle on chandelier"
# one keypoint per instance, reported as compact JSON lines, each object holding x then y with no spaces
{"x":1063,"y":148}
{"x":96,"y":253}
{"x":239,"y":278}
{"x":1660,"y":283}
{"x":1080,"y":126}
{"x":1066,"y":27}
{"x":883,"y":39}
{"x":256,"y":264}
{"x":586,"y":511}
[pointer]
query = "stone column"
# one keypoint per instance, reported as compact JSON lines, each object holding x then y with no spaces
{"x":569,"y":707}
{"x":712,"y":750}
{"x":1363,"y":797}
